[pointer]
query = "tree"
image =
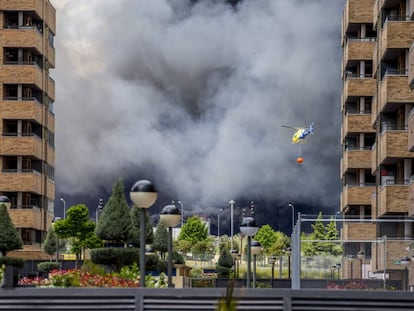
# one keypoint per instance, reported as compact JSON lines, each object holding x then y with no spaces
{"x":266,"y":236}
{"x":282,"y":241}
{"x":332,"y":234}
{"x":224,"y":264}
{"x":161,"y":239}
{"x":10,"y":239}
{"x":115,"y":225}
{"x":319,"y":233}
{"x":50,"y":244}
{"x":136,"y":225}
{"x":194,"y":230}
{"x":77,"y":228}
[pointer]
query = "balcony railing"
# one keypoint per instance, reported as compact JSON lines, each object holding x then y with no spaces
{"x":15,"y":98}
{"x":13,"y":170}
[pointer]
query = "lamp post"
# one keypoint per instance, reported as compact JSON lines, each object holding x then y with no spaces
{"x":218,"y":222}
{"x":351,"y":259}
{"x":64,"y":207}
{"x":361,"y":257}
{"x":256,"y":249}
{"x":182,"y":212}
{"x":98,"y":210}
{"x":231,"y":202}
{"x":405,"y":262}
{"x":57,"y":238}
{"x":248,"y":227}
{"x":293,"y":215}
{"x":272,"y":261}
{"x":143,"y":194}
{"x":170,"y":216}
{"x":4,"y":200}
{"x":235,"y":254}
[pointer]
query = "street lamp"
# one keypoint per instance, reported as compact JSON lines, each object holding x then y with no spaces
{"x":235,"y":254}
{"x":351,"y":259}
{"x":361,"y":257}
{"x":248,"y":227}
{"x":405,"y":262}
{"x":143,"y":193}
{"x":293,"y":215}
{"x":170,"y":216}
{"x":272,"y":261}
{"x":182,"y":212}
{"x":231,"y":202}
{"x":256,"y":248}
{"x":64,"y":208}
{"x":98,"y":210}
{"x":5,"y":201}
{"x":218,"y":222}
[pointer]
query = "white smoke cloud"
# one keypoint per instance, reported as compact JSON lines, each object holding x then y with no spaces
{"x":194,"y":96}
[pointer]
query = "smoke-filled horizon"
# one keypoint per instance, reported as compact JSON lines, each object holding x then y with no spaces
{"x":193,"y":95}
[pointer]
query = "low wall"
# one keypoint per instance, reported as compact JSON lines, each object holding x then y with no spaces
{"x":129,"y":299}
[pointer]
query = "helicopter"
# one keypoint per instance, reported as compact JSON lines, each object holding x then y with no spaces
{"x":301,"y":133}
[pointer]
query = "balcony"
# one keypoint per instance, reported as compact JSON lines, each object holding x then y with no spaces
{"x":21,"y":145}
{"x":359,"y":231}
{"x":359,"y":49}
{"x":22,"y":38}
{"x":387,"y":253}
{"x":410,"y":200}
{"x":394,"y":91}
{"x":33,"y":5}
{"x":356,"y":158}
{"x":21,"y":181}
{"x":393,"y":199}
{"x":27,"y":109}
{"x":411,"y":131}
{"x":395,"y":35}
{"x":393,"y":145}
{"x":22,"y":74}
{"x":411,"y":67}
{"x":357,"y":195}
{"x":355,"y":122}
{"x":358,"y":87}
{"x":51,"y":88}
{"x":27,"y":218}
{"x":356,"y":12}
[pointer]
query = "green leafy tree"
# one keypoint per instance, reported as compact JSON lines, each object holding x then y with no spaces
{"x":307,"y":248}
{"x":161,"y":239}
{"x":10,"y":239}
{"x":282,"y":241}
{"x":136,"y":225}
{"x":332,"y":233}
{"x":182,"y":246}
{"x":319,"y":233}
{"x":115,"y":225}
{"x":77,"y":228}
{"x":194,"y":230}
{"x":50,"y":244}
{"x":266,"y":236}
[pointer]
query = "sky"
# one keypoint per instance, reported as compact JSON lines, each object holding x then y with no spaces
{"x":193,"y":96}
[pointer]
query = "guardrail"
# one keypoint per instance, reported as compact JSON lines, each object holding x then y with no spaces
{"x":42,"y":299}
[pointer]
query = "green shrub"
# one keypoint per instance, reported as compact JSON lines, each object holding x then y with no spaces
{"x":115,"y":258}
{"x":12,"y":261}
{"x":92,"y":268}
{"x":178,"y":258}
{"x":224,"y":264}
{"x":48,"y":266}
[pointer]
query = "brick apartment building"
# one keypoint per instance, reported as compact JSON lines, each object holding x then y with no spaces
{"x":27,"y":121}
{"x":377,"y":135}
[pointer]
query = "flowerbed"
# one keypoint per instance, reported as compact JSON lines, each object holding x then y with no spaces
{"x":79,"y":278}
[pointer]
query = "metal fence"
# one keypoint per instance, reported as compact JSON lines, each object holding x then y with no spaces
{"x":42,"y":299}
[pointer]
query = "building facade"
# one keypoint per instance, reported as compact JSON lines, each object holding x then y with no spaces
{"x":377,"y":136}
{"x":27,"y":121}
